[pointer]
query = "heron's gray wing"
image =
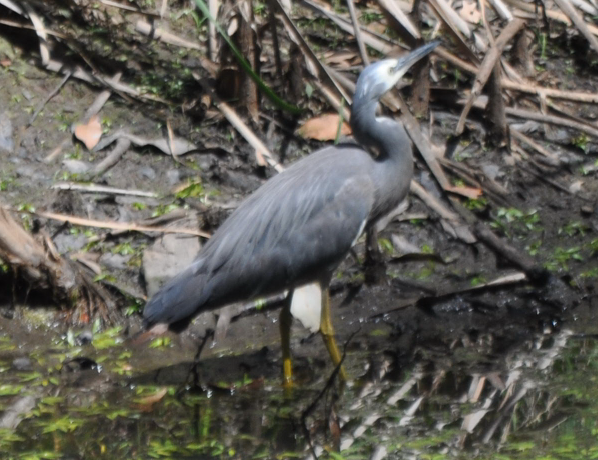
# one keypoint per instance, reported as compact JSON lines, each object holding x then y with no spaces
{"x":297,"y":226}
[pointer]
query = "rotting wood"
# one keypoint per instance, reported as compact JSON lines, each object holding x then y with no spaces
{"x":248,"y":43}
{"x":495,"y":110}
{"x":523,"y":53}
{"x":43,"y":270}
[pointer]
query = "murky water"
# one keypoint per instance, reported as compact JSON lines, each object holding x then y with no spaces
{"x":537,"y":400}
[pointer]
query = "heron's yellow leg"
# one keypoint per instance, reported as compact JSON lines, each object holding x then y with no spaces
{"x":327,"y":332}
{"x":286,"y":320}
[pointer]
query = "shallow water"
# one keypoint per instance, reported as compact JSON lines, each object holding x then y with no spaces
{"x":538,"y":399}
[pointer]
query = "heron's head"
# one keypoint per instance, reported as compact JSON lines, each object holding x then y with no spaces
{"x":378,"y":78}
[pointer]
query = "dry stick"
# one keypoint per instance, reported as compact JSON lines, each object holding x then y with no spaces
{"x":128,"y":8}
{"x":212,"y":41}
{"x":432,"y":202}
{"x":544,"y":178}
{"x":529,"y":88}
{"x":562,"y":111}
{"x":93,"y":188}
{"x":452,"y":29}
{"x":552,"y":119}
{"x":370,"y":38}
{"x":501,"y":9}
{"x":482,"y":4}
{"x":550,"y":92}
{"x":451,"y":17}
{"x":477,"y":179}
{"x":315,"y":67}
{"x":512,"y":254}
{"x":578,"y":21}
{"x":393,"y":10}
{"x":461,"y":230}
{"x":422,"y":144}
{"x":18,"y":25}
{"x":40,"y":30}
{"x":585,"y":7}
{"x":486,"y":67}
{"x":132,"y":227}
{"x":556,"y":15}
{"x":533,"y":144}
{"x":275,"y":44}
{"x":12,"y":6}
{"x":122,"y":145}
{"x":262,"y":152}
{"x":357,"y":34}
{"x":163,"y":8}
{"x":162,"y":35}
{"x":29,"y":257}
{"x":50,"y":96}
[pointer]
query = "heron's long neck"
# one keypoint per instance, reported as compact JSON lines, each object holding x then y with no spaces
{"x":393,"y":167}
{"x":383,"y":135}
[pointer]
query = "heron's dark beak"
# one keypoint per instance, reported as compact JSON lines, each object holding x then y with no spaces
{"x":404,"y":62}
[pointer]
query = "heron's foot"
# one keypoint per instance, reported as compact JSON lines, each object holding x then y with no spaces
{"x":334,"y":353}
{"x":287,"y":373}
{"x":286,"y":321}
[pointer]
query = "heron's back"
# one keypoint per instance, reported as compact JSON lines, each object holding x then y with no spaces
{"x":294,"y":229}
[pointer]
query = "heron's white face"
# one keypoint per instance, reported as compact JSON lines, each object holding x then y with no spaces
{"x":377,"y":79}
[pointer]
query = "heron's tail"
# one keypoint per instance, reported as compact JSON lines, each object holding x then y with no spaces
{"x":178,"y":301}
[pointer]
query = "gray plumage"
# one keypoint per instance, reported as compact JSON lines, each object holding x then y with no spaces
{"x":298,"y":227}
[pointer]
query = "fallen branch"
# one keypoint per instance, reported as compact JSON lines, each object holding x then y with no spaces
{"x":552,"y":119}
{"x":534,"y":271}
{"x":121,"y":147}
{"x":43,"y":268}
{"x":93,"y":188}
{"x":533,"y":144}
{"x":132,"y":227}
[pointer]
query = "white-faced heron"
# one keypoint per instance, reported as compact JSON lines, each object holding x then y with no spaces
{"x":299,"y":226}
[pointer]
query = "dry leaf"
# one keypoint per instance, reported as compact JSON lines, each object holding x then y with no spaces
{"x":153,"y":398}
{"x":233,"y":25}
{"x":5,"y":62}
{"x":469,"y":12}
{"x":146,"y":404}
{"x":90,"y":133}
{"x":323,"y":128}
{"x":469,"y":192}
